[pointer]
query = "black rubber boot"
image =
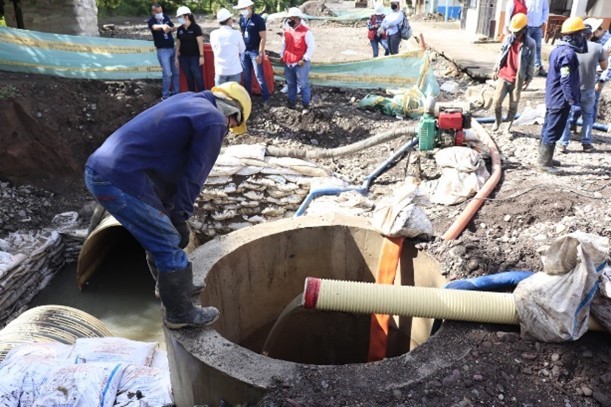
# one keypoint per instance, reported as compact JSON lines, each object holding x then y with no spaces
{"x":546,"y":154}
{"x":154,"y":272}
{"x":176,"y":299}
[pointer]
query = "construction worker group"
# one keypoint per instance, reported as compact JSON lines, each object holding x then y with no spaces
{"x":575,"y":78}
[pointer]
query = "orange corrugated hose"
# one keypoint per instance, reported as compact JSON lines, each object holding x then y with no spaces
{"x":387,"y":269}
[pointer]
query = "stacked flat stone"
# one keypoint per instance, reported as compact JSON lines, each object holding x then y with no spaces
{"x":247,"y":187}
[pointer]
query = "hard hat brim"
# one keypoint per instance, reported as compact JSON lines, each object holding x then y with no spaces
{"x":239,"y":130}
{"x":243,"y":4}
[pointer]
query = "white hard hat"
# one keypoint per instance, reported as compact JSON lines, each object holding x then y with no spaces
{"x":223,"y":15}
{"x":595,"y":23}
{"x":243,"y":4}
{"x":182,"y":10}
{"x":379,"y":9}
{"x":295,"y":12}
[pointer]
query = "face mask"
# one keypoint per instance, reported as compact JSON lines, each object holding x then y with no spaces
{"x":159,"y":16}
{"x":394,"y":6}
{"x":181,"y":20}
{"x":291,"y":23}
{"x":245,"y":13}
{"x":577,"y":42}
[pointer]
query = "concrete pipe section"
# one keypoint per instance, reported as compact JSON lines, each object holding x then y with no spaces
{"x":255,"y":276}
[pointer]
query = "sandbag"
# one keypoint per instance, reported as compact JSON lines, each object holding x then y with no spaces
{"x":463,"y":175}
{"x":554,"y":305}
{"x":38,"y":350}
{"x":82,"y":385}
{"x":601,"y":306}
{"x":400,"y":216}
{"x":143,"y":387}
{"x":110,"y":349}
{"x":29,"y":373}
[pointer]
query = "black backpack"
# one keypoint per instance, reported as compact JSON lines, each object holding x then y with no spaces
{"x":405,"y":29}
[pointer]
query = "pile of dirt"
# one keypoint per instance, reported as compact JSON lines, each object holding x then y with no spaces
{"x":427,"y":17}
{"x":316,"y":8}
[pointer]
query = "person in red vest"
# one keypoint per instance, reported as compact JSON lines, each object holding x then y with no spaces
{"x":537,"y":12}
{"x":374,"y":23}
{"x":512,"y":8}
{"x":297,"y":49}
{"x":514,"y":70}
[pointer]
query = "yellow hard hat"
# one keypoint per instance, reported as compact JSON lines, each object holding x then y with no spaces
{"x":518,"y":22}
{"x":237,"y":93}
{"x":572,"y":25}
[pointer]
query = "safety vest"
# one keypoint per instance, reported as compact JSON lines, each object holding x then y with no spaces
{"x":295,"y":44}
{"x":519,"y":7}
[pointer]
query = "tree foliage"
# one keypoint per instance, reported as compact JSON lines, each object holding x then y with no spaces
{"x":142,"y":7}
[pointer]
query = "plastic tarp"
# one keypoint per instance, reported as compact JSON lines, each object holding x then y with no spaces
{"x":404,"y":70}
{"x":80,"y":57}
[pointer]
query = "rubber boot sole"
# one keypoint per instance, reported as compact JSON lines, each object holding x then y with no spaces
{"x":182,"y":325}
{"x":549,"y":170}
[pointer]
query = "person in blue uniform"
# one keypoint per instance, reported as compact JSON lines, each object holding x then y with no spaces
{"x":253,"y":29}
{"x":561,"y":89}
{"x":149,"y":173}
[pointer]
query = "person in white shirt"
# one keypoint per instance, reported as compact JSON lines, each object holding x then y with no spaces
{"x":538,"y":12}
{"x":228,"y":46}
{"x":391,"y":25}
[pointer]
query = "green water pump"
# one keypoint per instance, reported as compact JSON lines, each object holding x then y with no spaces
{"x":427,"y":132}
{"x":443,"y":128}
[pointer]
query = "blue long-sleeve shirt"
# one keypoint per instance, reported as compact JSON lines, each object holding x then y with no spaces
{"x":163,"y":155}
{"x":562,"y":84}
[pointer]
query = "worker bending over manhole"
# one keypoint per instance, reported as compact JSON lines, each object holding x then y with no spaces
{"x":150,"y":171}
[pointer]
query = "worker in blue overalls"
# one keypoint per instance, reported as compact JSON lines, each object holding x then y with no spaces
{"x":561,"y":89}
{"x":149,"y":173}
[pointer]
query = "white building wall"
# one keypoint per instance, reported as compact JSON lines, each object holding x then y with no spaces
{"x":602,"y":9}
{"x":472,"y":16}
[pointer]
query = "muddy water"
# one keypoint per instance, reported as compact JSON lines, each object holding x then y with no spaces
{"x":121,"y":295}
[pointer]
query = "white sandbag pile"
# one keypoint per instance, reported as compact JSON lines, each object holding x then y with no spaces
{"x":28,"y":261}
{"x":247,"y":187}
{"x":101,"y":372}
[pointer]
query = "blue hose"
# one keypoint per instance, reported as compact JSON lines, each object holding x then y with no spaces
{"x":315,"y":193}
{"x":492,"y":282}
{"x":595,"y":126}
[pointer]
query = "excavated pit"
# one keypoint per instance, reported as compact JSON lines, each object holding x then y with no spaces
{"x":255,"y":276}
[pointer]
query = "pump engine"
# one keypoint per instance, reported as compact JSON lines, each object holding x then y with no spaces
{"x":443,"y":126}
